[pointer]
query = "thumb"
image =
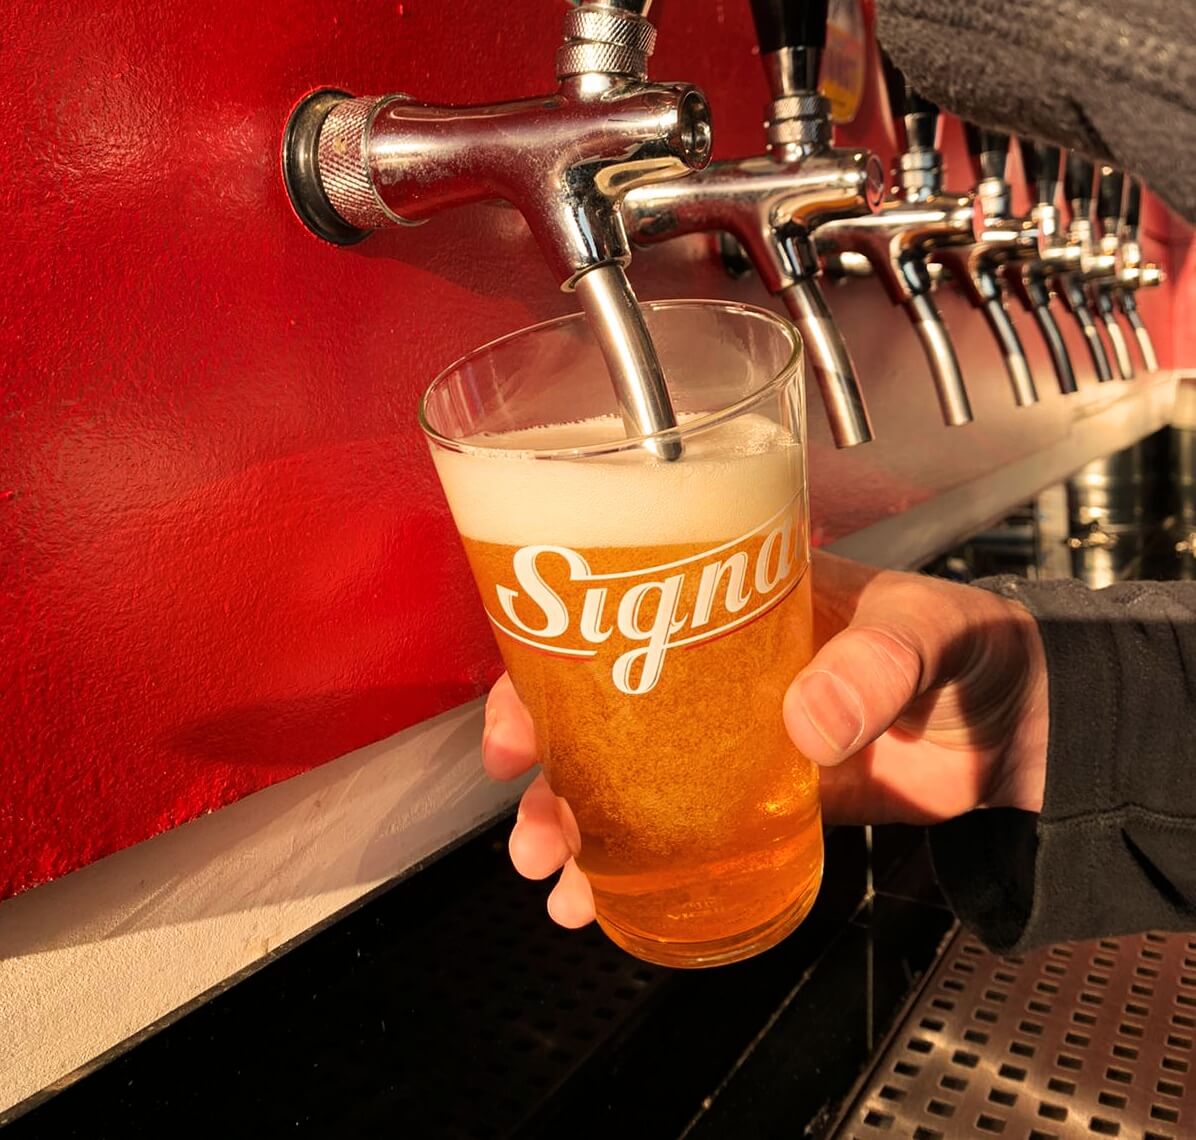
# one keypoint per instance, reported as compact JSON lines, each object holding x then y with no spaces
{"x":853,"y":690}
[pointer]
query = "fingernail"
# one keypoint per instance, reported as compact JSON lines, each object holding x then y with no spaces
{"x":833,"y":708}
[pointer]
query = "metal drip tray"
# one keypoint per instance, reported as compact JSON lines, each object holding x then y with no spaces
{"x":1079,"y":1039}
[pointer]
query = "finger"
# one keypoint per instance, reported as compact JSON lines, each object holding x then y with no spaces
{"x":508,"y":740}
{"x":858,"y":684}
{"x":538,"y":845}
{"x":571,"y":903}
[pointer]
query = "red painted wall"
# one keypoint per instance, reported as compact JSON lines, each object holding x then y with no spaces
{"x":223,"y":554}
{"x":222,"y":547}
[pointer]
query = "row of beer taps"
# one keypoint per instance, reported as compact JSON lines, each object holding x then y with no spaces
{"x":610,"y":161}
{"x":1094,"y":264}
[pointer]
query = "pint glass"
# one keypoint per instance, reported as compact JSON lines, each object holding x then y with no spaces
{"x":652,"y":613}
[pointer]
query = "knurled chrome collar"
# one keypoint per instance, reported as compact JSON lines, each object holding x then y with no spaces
{"x":344,"y":168}
{"x":921,"y":173}
{"x":607,"y":40}
{"x":799,"y":120}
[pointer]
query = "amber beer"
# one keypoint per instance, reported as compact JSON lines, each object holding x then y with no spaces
{"x":651,"y":616}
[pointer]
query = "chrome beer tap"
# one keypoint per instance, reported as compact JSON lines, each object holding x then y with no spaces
{"x":564,"y":160}
{"x":1041,"y":167}
{"x":1133,"y":273}
{"x":999,"y":239}
{"x":771,"y":204}
{"x":1057,"y":256}
{"x":1078,"y":173}
{"x":1101,"y":273}
{"x":989,"y":151}
{"x":898,"y":239}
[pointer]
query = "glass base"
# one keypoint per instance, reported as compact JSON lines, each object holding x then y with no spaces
{"x":722,"y":951}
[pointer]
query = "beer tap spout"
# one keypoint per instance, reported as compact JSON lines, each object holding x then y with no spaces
{"x":1101,"y":273}
{"x":1077,"y":188}
{"x":773,"y":203}
{"x":564,"y":160}
{"x":898,"y":239}
{"x":1026,"y":274}
{"x":998,"y":240}
{"x":1129,"y":306}
{"x":1133,"y":273}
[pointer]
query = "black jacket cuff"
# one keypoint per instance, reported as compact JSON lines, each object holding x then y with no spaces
{"x":1114,"y":848}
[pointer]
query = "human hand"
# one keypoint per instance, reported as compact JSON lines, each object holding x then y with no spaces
{"x":925,"y":700}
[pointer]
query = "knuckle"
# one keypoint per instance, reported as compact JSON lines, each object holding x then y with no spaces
{"x":897,"y":652}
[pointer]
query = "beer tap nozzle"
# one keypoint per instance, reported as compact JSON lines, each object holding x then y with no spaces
{"x":771,"y":204}
{"x":1041,"y":167}
{"x":564,"y":160}
{"x":1102,"y":271}
{"x":1134,"y":274}
{"x":998,"y":239}
{"x":1055,"y":257}
{"x":1077,"y":188}
{"x":1035,"y":294}
{"x":899,"y":237}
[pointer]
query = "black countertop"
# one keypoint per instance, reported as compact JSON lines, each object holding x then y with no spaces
{"x":450,"y":1007}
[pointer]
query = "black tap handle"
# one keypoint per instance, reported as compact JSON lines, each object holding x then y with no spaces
{"x":1133,"y":205}
{"x":894,"y":84}
{"x":790,"y":23}
{"x":919,"y":114}
{"x":921,"y":120}
{"x":1110,"y":196}
{"x":1077,"y":184}
{"x":988,"y":151}
{"x":917,"y":104}
{"x":798,"y":26}
{"x":1040,"y":161}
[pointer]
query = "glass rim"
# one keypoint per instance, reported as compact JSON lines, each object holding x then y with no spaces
{"x":701,"y":423}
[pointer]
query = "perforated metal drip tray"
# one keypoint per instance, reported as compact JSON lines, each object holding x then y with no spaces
{"x":1083,"y":1039}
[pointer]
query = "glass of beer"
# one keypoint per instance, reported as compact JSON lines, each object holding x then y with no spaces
{"x":652,"y":613}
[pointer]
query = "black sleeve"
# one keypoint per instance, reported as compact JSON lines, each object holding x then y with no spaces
{"x":1114,"y":849}
{"x":1115,"y":81}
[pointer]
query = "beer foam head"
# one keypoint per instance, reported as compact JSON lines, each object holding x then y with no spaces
{"x":731,"y":479}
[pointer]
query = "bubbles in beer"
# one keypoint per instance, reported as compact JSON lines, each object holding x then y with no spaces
{"x":699,"y":819}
